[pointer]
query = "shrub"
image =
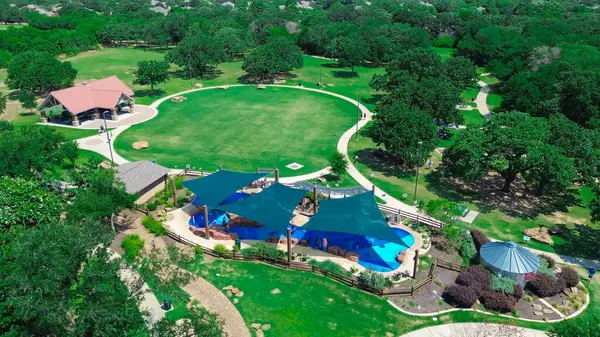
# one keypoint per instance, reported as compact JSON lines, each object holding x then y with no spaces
{"x":329,"y":265}
{"x":482,"y":276}
{"x":198,"y":250}
{"x":560,"y":284}
{"x":235,"y":249}
{"x":467,"y":247}
{"x":152,"y":207}
{"x":518,"y":291}
{"x":181,"y":200}
{"x":544,"y":285}
{"x":498,"y":301}
{"x":549,"y":259}
{"x":503,"y":284}
{"x":221,"y":250}
{"x":170,"y":204}
{"x":372,"y":279}
{"x":153,"y":226}
{"x":570,"y":276}
{"x":132,"y":244}
{"x":479,"y":238}
{"x":545,"y":269}
{"x":261,"y":250}
{"x":460,"y":296}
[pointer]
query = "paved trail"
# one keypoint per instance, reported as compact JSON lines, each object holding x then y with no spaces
{"x":475,"y":330}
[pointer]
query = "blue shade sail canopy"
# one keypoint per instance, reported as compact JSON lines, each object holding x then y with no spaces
{"x":273,"y":207}
{"x":509,"y":257}
{"x":212,"y":190}
{"x":358,"y":215}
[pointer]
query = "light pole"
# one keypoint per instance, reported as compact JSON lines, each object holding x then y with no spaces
{"x":357,"y":113}
{"x":418,"y":166}
{"x":321,"y":75}
{"x":112,"y":160}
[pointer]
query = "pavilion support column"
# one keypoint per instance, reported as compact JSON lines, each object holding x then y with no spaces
{"x":113,"y":114}
{"x":75,"y":120}
{"x":276,"y":175}
{"x":44,"y":117}
{"x":206,"y":222}
{"x":373,"y":188}
{"x":315,"y":199}
{"x":95,"y":114}
{"x":289,"y":245}
{"x":174,"y":192}
{"x":131,"y":107}
{"x":416,"y":264}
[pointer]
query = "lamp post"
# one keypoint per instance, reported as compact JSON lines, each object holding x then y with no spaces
{"x":112,"y":160}
{"x":357,"y":113}
{"x":418,"y":167}
{"x":321,"y":75}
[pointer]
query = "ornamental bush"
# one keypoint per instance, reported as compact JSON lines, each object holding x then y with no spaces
{"x":221,"y":250}
{"x":132,"y":244}
{"x":479,"y":238}
{"x":198,"y":250}
{"x":482,"y":276}
{"x":503,"y":284}
{"x":153,"y":226}
{"x":518,"y":291}
{"x":544,"y":285}
{"x":460,"y":296}
{"x":261,"y":250}
{"x":550,"y":260}
{"x":467,"y":247}
{"x":498,"y":301}
{"x":151,"y":207}
{"x":570,"y":276}
{"x":545,"y":269}
{"x":373,"y":279}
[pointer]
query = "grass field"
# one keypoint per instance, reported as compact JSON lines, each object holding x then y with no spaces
{"x":473,"y":117}
{"x":301,"y":304}
{"x":242,"y":128}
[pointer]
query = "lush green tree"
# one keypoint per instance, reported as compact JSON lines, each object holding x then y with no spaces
{"x":595,"y":204}
{"x":5,"y":57}
{"x":197,"y":53}
{"x":467,"y":157}
{"x":338,"y":164}
{"x":276,"y":57}
{"x":400,"y":128}
{"x":552,"y":170}
{"x":6,"y":126}
{"x":31,"y":150}
{"x":39,"y":72}
{"x":349,"y":52}
{"x":199,"y":320}
{"x":27,"y":99}
{"x":461,"y":72}
{"x":151,"y":72}
{"x":3,"y":100}
{"x":236,"y":41}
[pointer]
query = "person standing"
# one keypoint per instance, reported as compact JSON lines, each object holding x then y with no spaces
{"x":317,"y":242}
{"x":324,"y":244}
{"x":187,"y":168}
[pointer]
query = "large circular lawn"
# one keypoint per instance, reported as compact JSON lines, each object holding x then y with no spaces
{"x":241,"y":128}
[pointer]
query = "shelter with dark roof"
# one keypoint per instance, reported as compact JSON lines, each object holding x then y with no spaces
{"x":88,"y":100}
{"x":143,"y":178}
{"x":507,"y":259}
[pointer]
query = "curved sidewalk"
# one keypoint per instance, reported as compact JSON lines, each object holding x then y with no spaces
{"x":481,"y":100}
{"x":475,"y":330}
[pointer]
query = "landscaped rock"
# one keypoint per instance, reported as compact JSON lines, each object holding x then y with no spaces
{"x":333,"y":250}
{"x":342,"y":252}
{"x":229,"y":293}
{"x":140,"y":145}
{"x":537,"y":306}
{"x":547,"y":311}
{"x":352,"y":256}
{"x":389,"y":334}
{"x":199,"y":85}
{"x":236,"y":301}
{"x":260,"y":333}
{"x":275,"y":291}
{"x":303,"y":243}
{"x":539,"y":234}
{"x":235,"y":290}
{"x":178,"y":99}
{"x":400,"y":257}
{"x":261,"y":87}
{"x":228,"y":287}
{"x":538,"y":313}
{"x":265,"y":327}
{"x":255,"y":326}
{"x":240,"y":294}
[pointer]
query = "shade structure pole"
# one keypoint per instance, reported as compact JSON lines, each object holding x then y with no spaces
{"x":416,"y":263}
{"x":174,"y":192}
{"x":373,"y":188}
{"x":220,"y":167}
{"x":277,"y":175}
{"x":206,"y":222}
{"x":315,"y":199}
{"x":289,"y":245}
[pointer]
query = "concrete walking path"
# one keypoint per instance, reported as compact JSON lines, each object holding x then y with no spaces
{"x":481,"y":100}
{"x":475,"y":330}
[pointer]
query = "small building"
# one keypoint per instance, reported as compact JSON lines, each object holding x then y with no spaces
{"x":143,"y":178}
{"x":87,"y":101}
{"x":507,"y":259}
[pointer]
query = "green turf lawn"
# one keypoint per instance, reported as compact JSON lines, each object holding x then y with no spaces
{"x":243,"y":127}
{"x":473,"y":117}
{"x":445,"y":53}
{"x":469,"y":95}
{"x":5,"y":27}
{"x":312,"y":305}
{"x":494,"y":100}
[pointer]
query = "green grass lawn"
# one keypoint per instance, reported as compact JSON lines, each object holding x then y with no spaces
{"x":310,"y":305}
{"x":445,"y":53}
{"x":470,"y":94}
{"x":494,"y":100}
{"x":242,"y":128}
{"x":5,"y":27}
{"x":473,"y":117}
{"x":491,"y":80}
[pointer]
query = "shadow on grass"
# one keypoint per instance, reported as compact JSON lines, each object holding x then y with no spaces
{"x":373,"y":99}
{"x":28,"y":113}
{"x":579,"y":240}
{"x":379,"y":160}
{"x":344,"y":74}
{"x":149,"y":93}
{"x":249,"y":79}
{"x":210,"y":74}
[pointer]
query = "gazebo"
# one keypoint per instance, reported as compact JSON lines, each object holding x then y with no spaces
{"x":509,"y":260}
{"x":87,"y":99}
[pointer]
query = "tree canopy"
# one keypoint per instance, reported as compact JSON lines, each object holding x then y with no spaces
{"x":151,"y":72}
{"x":277,"y":56}
{"x":39,"y":72}
{"x":197,"y":53}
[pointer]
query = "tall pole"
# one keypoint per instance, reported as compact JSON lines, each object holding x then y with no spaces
{"x":321,"y":76}
{"x":112,"y":160}
{"x":276,"y":175}
{"x":315,"y":200}
{"x":289,"y":245}
{"x":174,"y":192}
{"x":418,"y":166}
{"x":416,"y":264}
{"x":206,"y":222}
{"x":357,"y":114}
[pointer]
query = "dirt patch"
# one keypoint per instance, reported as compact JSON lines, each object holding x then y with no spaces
{"x":562,"y":218}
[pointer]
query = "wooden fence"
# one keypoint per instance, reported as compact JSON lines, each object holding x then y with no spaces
{"x":351,"y":281}
{"x":449,"y":265}
{"x":424,"y":219}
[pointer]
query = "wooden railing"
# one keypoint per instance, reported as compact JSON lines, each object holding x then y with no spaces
{"x":450,"y":265}
{"x":424,"y":219}
{"x":351,"y":281}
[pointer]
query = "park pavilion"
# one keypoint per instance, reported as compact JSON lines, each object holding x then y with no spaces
{"x":88,"y":100}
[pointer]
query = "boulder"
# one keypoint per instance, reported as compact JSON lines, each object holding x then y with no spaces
{"x":255,"y":326}
{"x":140,"y":145}
{"x":261,"y":87}
{"x":352,"y":256}
{"x":229,"y":293}
{"x":265,"y":327}
{"x":304,"y":243}
{"x":342,"y":252}
{"x":240,"y":294}
{"x":260,"y":333}
{"x":199,"y":85}
{"x":538,"y":313}
{"x":539,"y":234}
{"x":400,"y":257}
{"x":235,"y":290}
{"x":284,"y":241}
{"x":333,"y":250}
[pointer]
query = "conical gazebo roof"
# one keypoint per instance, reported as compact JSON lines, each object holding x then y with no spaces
{"x":509,"y":257}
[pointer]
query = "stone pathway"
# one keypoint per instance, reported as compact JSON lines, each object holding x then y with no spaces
{"x":475,"y":330}
{"x":481,"y":100}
